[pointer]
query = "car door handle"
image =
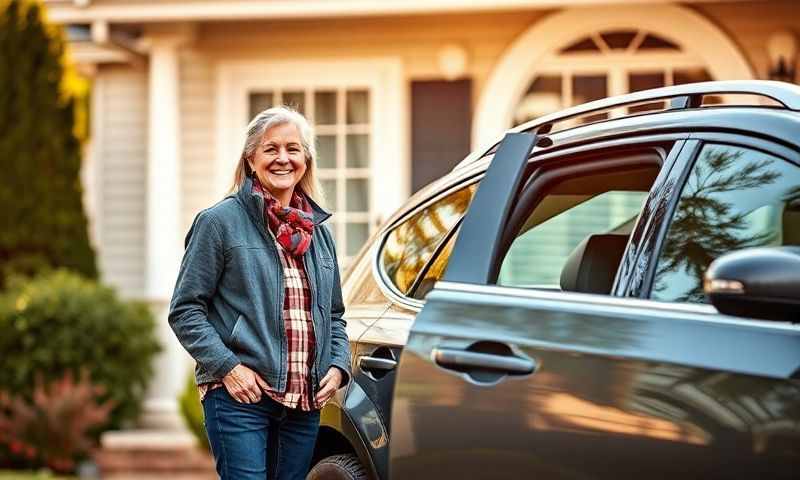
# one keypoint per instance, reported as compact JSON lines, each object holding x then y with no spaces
{"x":464,"y":359}
{"x":376,"y":363}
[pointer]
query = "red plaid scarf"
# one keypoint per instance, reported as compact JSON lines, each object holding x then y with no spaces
{"x":292,"y":225}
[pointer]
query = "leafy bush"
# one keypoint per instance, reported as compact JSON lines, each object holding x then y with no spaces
{"x":43,"y":223}
{"x":54,"y":429}
{"x":60,"y":322}
{"x":192,"y":412}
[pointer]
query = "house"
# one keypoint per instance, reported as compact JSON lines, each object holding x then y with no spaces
{"x":400,"y":91}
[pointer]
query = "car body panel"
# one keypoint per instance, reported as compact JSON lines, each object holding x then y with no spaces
{"x":621,"y":387}
{"x":621,"y":390}
{"x":629,"y":384}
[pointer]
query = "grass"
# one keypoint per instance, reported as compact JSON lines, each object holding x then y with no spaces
{"x":28,"y":475}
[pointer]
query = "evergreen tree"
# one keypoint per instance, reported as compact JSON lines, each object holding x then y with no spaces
{"x":43,"y":222}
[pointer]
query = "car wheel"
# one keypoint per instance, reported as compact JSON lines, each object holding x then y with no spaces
{"x":338,"y":467}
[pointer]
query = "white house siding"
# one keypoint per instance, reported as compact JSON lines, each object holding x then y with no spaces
{"x":197,"y":135}
{"x":122,"y":155}
{"x":416,"y":40}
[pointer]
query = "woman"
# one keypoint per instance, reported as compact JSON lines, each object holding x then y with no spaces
{"x":258,"y":305}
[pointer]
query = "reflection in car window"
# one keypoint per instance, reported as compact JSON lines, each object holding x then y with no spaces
{"x":538,"y":255}
{"x":734,"y":198}
{"x":410,"y":246}
{"x":436,"y":271}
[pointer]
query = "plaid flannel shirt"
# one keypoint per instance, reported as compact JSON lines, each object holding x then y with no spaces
{"x":300,"y":338}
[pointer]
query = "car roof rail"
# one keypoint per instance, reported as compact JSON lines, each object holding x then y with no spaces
{"x":689,"y":95}
{"x":685,"y":96}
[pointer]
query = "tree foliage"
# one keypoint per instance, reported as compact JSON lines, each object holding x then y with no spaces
{"x":43,"y":222}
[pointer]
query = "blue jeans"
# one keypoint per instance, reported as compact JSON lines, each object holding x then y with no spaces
{"x":263,"y":440}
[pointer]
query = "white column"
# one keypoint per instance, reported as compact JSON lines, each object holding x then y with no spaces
{"x":163,"y":243}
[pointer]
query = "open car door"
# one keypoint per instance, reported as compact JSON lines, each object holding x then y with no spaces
{"x":499,"y":382}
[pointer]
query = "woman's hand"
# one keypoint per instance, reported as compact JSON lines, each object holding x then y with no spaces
{"x":244,"y":385}
{"x":328,"y":385}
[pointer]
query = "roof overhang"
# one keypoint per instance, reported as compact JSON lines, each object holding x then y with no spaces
{"x":138,"y":11}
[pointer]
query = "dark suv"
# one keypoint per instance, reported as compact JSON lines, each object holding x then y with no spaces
{"x":609,"y":292}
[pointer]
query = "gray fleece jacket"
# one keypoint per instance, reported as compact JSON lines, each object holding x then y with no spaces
{"x":227,"y":307}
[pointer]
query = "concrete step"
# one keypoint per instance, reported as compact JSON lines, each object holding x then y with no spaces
{"x":152,"y":455}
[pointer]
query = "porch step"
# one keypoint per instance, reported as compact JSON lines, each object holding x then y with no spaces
{"x":153,"y":455}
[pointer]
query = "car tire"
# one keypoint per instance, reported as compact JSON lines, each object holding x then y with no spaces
{"x":338,"y":467}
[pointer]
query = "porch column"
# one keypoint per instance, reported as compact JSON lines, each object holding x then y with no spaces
{"x":163,"y":237}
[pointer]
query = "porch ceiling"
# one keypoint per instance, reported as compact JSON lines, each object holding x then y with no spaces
{"x":149,"y":11}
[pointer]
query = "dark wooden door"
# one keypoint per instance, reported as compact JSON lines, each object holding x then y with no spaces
{"x":441,"y":119}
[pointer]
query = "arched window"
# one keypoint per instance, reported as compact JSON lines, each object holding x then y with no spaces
{"x":603,"y":64}
{"x":579,"y":54}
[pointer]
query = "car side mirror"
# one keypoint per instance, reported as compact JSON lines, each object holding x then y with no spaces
{"x":761,"y":283}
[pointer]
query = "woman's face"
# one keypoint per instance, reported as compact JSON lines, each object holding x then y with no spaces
{"x":279,"y":161}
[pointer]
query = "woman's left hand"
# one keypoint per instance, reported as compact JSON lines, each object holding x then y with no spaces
{"x":328,"y":385}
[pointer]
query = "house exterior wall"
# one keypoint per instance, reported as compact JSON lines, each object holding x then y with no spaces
{"x":198,"y":143}
{"x":120,"y":148}
{"x":415,"y":40}
{"x":750,"y":25}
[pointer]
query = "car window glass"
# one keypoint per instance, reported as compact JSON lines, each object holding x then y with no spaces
{"x":733,"y":198}
{"x":537,"y":256}
{"x":410,"y":245}
{"x":436,"y":271}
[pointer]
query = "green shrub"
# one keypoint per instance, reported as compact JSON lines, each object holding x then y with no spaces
{"x":61,"y":322}
{"x":43,"y":223}
{"x":192,"y":412}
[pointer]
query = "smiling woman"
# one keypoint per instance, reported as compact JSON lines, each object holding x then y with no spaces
{"x":258,"y":304}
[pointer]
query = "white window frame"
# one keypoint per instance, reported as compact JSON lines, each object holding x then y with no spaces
{"x":389,"y":172}
{"x":691,"y":31}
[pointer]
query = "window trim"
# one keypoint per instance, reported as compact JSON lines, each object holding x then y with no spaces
{"x":687,"y":159}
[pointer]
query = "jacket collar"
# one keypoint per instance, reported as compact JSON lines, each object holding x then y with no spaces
{"x":254,"y":204}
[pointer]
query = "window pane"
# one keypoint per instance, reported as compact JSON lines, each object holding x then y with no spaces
{"x":543,"y":96}
{"x":586,"y":88}
{"x":325,"y":108}
{"x":538,"y":256}
{"x":653,"y":41}
{"x":357,"y":151}
{"x":329,"y":188}
{"x":410,"y":246}
{"x":296,"y":100}
{"x":357,"y":195}
{"x":436,"y":271}
{"x":357,"y":107}
{"x":690,"y":76}
{"x":260,"y":101}
{"x":357,"y":234}
{"x":618,"y":39}
{"x":583,"y":45}
{"x":645,"y":81}
{"x":326,"y":151}
{"x":734,"y":198}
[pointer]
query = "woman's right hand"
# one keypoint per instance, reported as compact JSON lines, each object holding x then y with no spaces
{"x":244,"y":385}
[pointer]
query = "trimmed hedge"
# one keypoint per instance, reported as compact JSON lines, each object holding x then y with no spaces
{"x":60,"y":322}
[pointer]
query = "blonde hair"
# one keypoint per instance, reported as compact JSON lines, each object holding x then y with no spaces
{"x":262,"y":122}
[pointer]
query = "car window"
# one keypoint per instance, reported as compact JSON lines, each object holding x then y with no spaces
{"x":733,"y":198}
{"x":538,"y":256}
{"x":571,"y":211}
{"x":410,"y":246}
